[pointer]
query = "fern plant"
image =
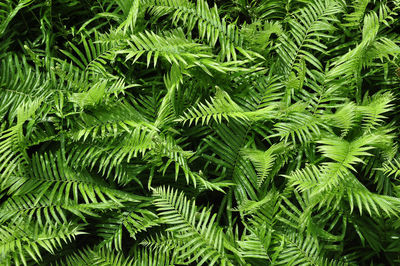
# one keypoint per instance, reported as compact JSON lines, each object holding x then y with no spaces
{"x":180,"y":132}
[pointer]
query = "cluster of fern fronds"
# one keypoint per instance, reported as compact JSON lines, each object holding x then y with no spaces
{"x":180,"y":132}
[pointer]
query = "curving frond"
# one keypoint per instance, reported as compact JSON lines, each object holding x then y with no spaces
{"x":174,"y":47}
{"x":391,"y":168}
{"x":182,"y":132}
{"x":53,"y":177}
{"x":200,"y":233}
{"x":19,"y":85}
{"x":28,"y":241}
{"x":373,"y":111}
{"x":263,"y":160}
{"x":301,"y":250}
{"x":210,"y":26}
{"x":134,"y":221}
{"x":299,"y":127}
{"x":308,"y":25}
{"x":8,"y":11}
{"x":28,"y":207}
{"x":12,"y":144}
{"x":221,"y":106}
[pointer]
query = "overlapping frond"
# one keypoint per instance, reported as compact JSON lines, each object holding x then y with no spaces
{"x":51,"y":176}
{"x":182,"y":132}
{"x":299,"y":127}
{"x":210,"y":26}
{"x":22,"y":241}
{"x":391,"y":168}
{"x":8,"y":11}
{"x":20,"y":84}
{"x":221,"y":106}
{"x":195,"y":228}
{"x":308,"y":25}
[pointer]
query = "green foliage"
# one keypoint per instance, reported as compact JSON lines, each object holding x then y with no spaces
{"x":180,"y":132}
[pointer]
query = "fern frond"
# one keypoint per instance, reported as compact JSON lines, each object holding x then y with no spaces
{"x":136,"y":141}
{"x":131,"y":10}
{"x":256,"y":244}
{"x":307,"y":27}
{"x":81,"y":257}
{"x":373,"y":111}
{"x":348,"y":153}
{"x":358,"y":195}
{"x":182,"y":132}
{"x":175,"y":48}
{"x":294,"y":249}
{"x":105,"y":256}
{"x":210,"y":26}
{"x":169,"y":148}
{"x":354,"y":18}
{"x":12,"y":144}
{"x":257,"y":240}
{"x":344,"y":118}
{"x":50,"y":175}
{"x":135,"y":221}
{"x":299,"y":127}
{"x":391,"y":168}
{"x":146,"y":257}
{"x":230,"y":140}
{"x":21,"y":240}
{"x":263,"y":160}
{"x":94,"y":55}
{"x":8,"y":11}
{"x":350,"y":64}
{"x":19,"y":85}
{"x":197,"y":228}
{"x":164,"y":243}
{"x":112,"y":121}
{"x":221,"y":106}
{"x":27,"y":206}
{"x":306,"y":178}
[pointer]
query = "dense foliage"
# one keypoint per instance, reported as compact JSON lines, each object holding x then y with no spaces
{"x":178,"y":132}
